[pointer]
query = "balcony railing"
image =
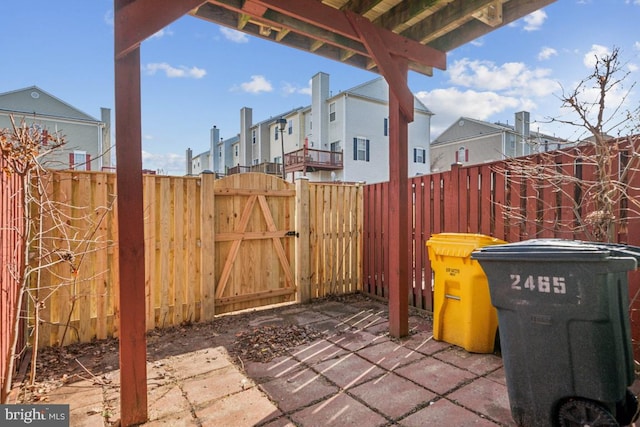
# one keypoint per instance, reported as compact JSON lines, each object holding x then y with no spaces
{"x":267,"y":167}
{"x":308,"y":159}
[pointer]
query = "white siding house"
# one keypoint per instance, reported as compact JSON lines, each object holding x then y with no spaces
{"x":344,"y":137}
{"x":87,"y":139}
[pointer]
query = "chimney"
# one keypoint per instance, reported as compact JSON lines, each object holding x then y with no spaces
{"x":320,"y":109}
{"x":189,"y":162}
{"x":522,"y":124}
{"x":214,"y":137}
{"x":246,"y":121}
{"x":106,"y":153}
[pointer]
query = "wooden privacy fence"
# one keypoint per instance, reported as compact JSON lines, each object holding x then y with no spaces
{"x":211,"y":246}
{"x":11,"y":263}
{"x":497,"y":200}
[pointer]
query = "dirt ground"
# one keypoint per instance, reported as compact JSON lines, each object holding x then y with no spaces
{"x":244,"y":340}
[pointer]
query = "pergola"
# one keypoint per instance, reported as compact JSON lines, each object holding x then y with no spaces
{"x":388,"y":37}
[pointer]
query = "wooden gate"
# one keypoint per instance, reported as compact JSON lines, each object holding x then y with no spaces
{"x":255,"y":241}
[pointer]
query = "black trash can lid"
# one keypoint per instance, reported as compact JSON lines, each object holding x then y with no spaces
{"x":556,"y":250}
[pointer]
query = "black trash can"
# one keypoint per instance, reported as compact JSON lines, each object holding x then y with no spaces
{"x":564,"y":330}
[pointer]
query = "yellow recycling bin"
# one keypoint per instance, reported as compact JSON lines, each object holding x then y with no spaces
{"x":462,"y":310}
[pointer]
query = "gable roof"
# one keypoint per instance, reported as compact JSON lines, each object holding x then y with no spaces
{"x":378,"y":89}
{"x":33,"y":100}
{"x":450,"y":135}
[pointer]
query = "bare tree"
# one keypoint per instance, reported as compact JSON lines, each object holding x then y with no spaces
{"x":53,"y":234}
{"x":594,"y":178}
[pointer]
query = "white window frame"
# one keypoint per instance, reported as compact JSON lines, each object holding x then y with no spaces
{"x":79,"y":160}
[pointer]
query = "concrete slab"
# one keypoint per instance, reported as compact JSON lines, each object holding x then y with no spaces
{"x":262,"y":372}
{"x":355,"y":340}
{"x":392,"y":395}
{"x":479,"y":364}
{"x":485,"y":397}
{"x":424,"y":343}
{"x":348,"y":370}
{"x":197,"y":362}
{"x":339,"y":410}
{"x":389,"y":355}
{"x":214,"y":385}
{"x":299,"y":389}
{"x":435,"y":375}
{"x":317,"y":352}
{"x":444,"y":413}
{"x":245,"y":409}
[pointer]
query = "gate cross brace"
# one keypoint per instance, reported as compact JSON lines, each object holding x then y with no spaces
{"x":240,"y":230}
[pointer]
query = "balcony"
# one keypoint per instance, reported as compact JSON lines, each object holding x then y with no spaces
{"x":267,"y":167}
{"x":310,"y":160}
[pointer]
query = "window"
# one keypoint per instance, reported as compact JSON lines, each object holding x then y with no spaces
{"x":253,"y":136}
{"x":290,"y":127}
{"x":220,"y":152}
{"x":235,"y":150}
{"x":335,"y":147}
{"x":255,"y":162}
{"x":462,"y":155}
{"x":361,"y":149}
{"x":386,"y":127}
{"x":332,"y":112}
{"x":80,"y":161}
{"x":277,"y":159}
{"x":419,"y":155}
{"x":276,"y":134}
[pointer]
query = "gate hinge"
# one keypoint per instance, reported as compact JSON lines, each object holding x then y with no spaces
{"x":292,"y":233}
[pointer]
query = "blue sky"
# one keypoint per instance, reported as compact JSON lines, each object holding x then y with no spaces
{"x":196,"y":74}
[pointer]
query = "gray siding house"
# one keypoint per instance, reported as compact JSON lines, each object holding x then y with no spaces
{"x":87,"y":139}
{"x":470,"y":141}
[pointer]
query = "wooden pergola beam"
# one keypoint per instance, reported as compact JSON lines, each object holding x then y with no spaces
{"x":379,"y":51}
{"x":138,"y":20}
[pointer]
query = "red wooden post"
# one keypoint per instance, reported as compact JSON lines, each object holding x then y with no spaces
{"x":133,"y":344}
{"x":397,"y":215}
{"x":452,"y":198}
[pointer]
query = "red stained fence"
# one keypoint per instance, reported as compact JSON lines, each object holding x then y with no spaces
{"x":491,"y":199}
{"x":11,"y":256}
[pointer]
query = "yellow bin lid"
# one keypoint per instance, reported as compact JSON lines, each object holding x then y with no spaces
{"x":459,"y":244}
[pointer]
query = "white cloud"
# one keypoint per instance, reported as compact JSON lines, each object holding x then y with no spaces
{"x":233,"y":35}
{"x":165,"y":164}
{"x":257,"y":84}
{"x":291,"y":89}
{"x":546,"y":53}
{"x":597,"y":52}
{"x":632,"y":67}
{"x":108,"y":18}
{"x":173,"y":72}
{"x":451,"y":103}
{"x":534,"y":20}
{"x":636,"y":45}
{"x":513,"y":78}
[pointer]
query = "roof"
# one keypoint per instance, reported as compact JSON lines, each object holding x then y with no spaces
{"x":418,"y":30}
{"x":32,"y":100}
{"x":492,"y":128}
